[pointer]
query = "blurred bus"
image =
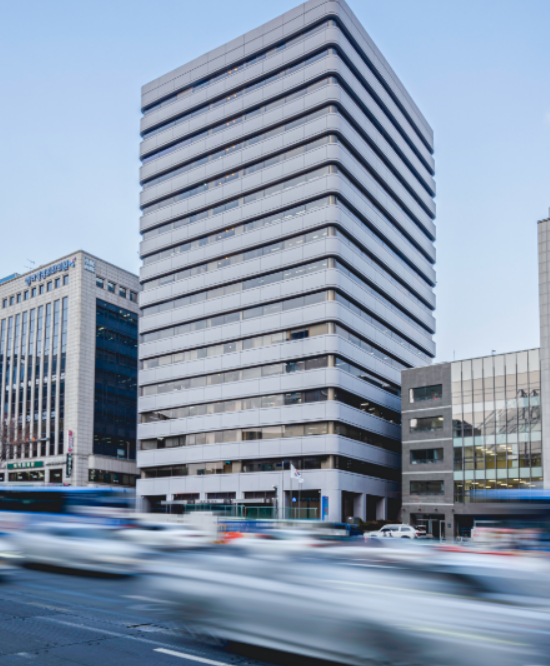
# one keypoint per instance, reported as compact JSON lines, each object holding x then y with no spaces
{"x":23,"y":506}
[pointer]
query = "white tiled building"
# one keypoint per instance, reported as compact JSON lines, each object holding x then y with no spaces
{"x":60,"y":365}
{"x":288,"y":270}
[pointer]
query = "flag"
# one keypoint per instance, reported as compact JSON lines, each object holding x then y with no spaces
{"x":295,"y":474}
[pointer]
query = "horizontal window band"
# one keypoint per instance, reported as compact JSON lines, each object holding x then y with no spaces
{"x":278,"y":306}
{"x":280,"y":216}
{"x":236,"y":174}
{"x":274,"y":158}
{"x":274,"y":400}
{"x":276,"y":338}
{"x":269,"y":370}
{"x":234,"y":147}
{"x":237,"y":120}
{"x":235,"y":67}
{"x":278,"y":158}
{"x":334,"y":49}
{"x":310,"y":429}
{"x":236,"y":230}
{"x":334,"y":462}
{"x":262,"y":250}
{"x":281,"y":186}
{"x":280,"y":246}
{"x":271,"y":278}
{"x":241,"y":374}
{"x":229,"y":96}
{"x":289,"y":125}
{"x":273,"y":50}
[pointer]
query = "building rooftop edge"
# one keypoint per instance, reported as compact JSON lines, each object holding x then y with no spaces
{"x":471,"y":358}
{"x":271,"y":24}
{"x":68,"y":254}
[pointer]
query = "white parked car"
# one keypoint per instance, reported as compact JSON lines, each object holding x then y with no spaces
{"x":77,"y":546}
{"x":395,"y":532}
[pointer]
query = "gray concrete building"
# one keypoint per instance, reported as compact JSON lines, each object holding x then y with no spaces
{"x":68,"y":374}
{"x":288,"y":272}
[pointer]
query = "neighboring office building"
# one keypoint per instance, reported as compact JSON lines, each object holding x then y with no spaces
{"x":477,"y":425}
{"x":68,"y":373}
{"x":469,"y":426}
{"x":288,"y":270}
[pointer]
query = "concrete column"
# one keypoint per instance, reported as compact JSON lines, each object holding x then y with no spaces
{"x":334,"y":505}
{"x":142,"y":505}
{"x":360,"y":506}
{"x":282,"y":485}
{"x":382,"y":508}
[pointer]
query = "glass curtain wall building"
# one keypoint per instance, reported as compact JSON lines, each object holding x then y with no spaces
{"x":288,"y":271}
{"x":470,"y":427}
{"x":53,"y":349}
{"x":496,"y":423}
{"x":115,"y":411}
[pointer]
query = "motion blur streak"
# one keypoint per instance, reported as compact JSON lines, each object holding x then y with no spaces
{"x":308,"y":589}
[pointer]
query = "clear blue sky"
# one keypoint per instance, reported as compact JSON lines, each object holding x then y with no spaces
{"x":71,"y":74}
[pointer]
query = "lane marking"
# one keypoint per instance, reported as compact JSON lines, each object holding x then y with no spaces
{"x":192,"y":657}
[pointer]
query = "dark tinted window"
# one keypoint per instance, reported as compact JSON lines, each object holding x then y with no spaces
{"x":423,"y":393}
{"x":427,"y":487}
{"x":423,"y":456}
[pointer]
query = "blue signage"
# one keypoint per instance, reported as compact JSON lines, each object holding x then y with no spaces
{"x":56,"y":268}
{"x":324,"y":507}
{"x":10,"y":277}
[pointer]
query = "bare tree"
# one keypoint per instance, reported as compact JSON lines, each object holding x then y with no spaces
{"x":8,"y":436}
{"x":14,"y":439}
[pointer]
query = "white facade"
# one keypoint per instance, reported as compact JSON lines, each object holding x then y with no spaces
{"x":288,"y":228}
{"x":48,"y":370}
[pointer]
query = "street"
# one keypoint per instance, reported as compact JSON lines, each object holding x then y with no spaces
{"x":54,"y":618}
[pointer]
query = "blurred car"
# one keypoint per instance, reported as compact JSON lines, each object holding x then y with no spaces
{"x":338,"y":530}
{"x":396,"y":532}
{"x":274,"y":541}
{"x":77,"y":546}
{"x":327,"y":604}
{"x":166,"y":536}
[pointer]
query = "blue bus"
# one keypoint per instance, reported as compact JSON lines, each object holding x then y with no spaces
{"x":23,"y":506}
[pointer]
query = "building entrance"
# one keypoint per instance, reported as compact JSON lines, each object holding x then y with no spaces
{"x":434,"y":524}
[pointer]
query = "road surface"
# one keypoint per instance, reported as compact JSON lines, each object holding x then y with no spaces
{"x":51,"y":618}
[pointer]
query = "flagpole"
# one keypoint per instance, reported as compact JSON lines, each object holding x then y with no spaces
{"x":300,"y":494}
{"x":281,"y":511}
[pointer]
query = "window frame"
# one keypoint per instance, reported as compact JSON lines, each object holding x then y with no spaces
{"x":415,"y":397}
{"x":415,"y":429}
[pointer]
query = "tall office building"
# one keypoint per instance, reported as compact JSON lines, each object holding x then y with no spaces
{"x":68,"y":374}
{"x":288,"y":271}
